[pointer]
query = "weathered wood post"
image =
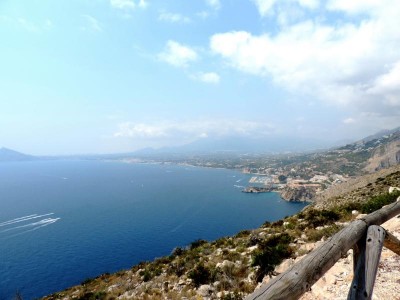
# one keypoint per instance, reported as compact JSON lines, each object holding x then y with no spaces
{"x":373,"y":250}
{"x":367,"y":264}
{"x":358,"y":283}
{"x":392,"y":243}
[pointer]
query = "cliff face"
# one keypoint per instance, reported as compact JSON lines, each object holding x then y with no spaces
{"x":385,"y":156}
{"x":298,"y":194}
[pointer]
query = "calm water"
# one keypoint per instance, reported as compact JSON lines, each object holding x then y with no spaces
{"x":64,"y":221}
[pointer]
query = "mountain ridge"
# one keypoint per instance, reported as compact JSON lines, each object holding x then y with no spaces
{"x":9,"y":155}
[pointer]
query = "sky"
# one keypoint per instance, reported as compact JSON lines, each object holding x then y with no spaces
{"x":112,"y":76}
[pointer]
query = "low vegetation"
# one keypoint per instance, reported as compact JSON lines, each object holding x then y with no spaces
{"x":230,"y":267}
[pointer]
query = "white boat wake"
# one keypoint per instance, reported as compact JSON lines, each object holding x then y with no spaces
{"x":41,"y":222}
{"x":10,"y":225}
{"x":238,"y":186}
{"x":23,"y":219}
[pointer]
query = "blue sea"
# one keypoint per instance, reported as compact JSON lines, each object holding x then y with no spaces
{"x":62,"y":222}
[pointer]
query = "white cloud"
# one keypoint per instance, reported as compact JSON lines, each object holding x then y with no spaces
{"x":388,"y":84}
{"x":352,"y":63}
{"x":178,"y":55}
{"x":264,"y":6}
{"x":143,"y":4}
{"x":356,"y":6}
{"x":209,"y":77}
{"x":140,"y":130}
{"x":349,"y":121}
{"x":123,"y":4}
{"x":215,"y":4}
{"x":173,"y":18}
{"x":190,"y":130}
{"x":92,"y":23}
{"x":27,"y":25}
{"x":270,"y":7}
{"x":312,"y":4}
{"x":203,"y":14}
{"x":128,"y":4}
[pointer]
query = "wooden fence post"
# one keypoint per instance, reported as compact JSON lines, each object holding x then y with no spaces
{"x":367,"y":264}
{"x":358,"y":283}
{"x":373,"y":250}
{"x":392,"y":243}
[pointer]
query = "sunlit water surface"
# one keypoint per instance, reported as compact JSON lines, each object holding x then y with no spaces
{"x":64,"y":221}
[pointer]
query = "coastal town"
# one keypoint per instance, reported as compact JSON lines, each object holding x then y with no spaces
{"x":297,"y":176}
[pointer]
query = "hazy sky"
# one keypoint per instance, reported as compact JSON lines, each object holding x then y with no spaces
{"x":100,"y":76}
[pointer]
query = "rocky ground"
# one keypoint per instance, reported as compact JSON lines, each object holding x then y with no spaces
{"x":335,"y":284}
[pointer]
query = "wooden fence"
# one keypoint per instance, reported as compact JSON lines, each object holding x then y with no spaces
{"x":363,"y":235}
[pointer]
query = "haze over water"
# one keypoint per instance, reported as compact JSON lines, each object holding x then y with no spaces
{"x":64,"y":221}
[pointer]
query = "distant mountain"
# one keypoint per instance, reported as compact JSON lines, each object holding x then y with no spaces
{"x":11,"y":155}
{"x":239,"y":145}
{"x":380,"y":134}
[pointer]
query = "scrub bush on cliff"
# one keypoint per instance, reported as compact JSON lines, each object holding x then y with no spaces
{"x":202,"y":275}
{"x":270,"y":253}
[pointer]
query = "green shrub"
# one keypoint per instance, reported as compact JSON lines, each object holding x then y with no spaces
{"x":345,"y":210}
{"x":253,"y":240}
{"x":151,"y":271}
{"x":221,"y":242}
{"x":290,"y":226}
{"x":202,"y":275}
{"x":146,"y":275}
{"x":266,"y":224}
{"x":233,"y":256}
{"x":243,"y":233}
{"x":234,"y":296}
{"x":378,"y":202}
{"x":271,"y":252}
{"x":278,"y":223}
{"x":87,"y":281}
{"x":314,"y":235}
{"x":178,"y":268}
{"x":93,"y":296}
{"x":315,"y":218}
{"x":197,"y":243}
{"x":177,"y":251}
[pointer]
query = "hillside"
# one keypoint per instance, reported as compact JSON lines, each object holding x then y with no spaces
{"x":232,"y":267}
{"x":365,"y":156}
{"x":305,"y":174}
{"x":11,"y":155}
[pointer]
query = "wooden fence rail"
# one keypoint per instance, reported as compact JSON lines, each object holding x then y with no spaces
{"x":301,"y":276}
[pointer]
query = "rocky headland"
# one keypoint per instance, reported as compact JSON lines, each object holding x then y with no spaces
{"x":298,"y":194}
{"x":256,"y":189}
